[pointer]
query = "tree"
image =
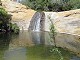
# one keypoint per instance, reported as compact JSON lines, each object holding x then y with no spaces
{"x":45,"y":5}
{"x":53,"y":5}
{"x":38,"y":4}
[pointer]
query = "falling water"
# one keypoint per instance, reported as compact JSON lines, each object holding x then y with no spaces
{"x":37,"y":23}
{"x":17,"y":0}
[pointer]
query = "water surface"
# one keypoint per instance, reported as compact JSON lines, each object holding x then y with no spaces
{"x":39,"y":46}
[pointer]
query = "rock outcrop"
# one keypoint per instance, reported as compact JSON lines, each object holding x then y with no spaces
{"x":20,"y":14}
{"x":64,"y":22}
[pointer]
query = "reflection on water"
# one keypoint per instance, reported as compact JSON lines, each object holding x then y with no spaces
{"x":36,"y":46}
{"x":4,"y":43}
{"x":35,"y":37}
{"x":15,"y":54}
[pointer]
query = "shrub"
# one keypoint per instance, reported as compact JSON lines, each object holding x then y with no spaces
{"x":4,"y":19}
{"x":75,"y":4}
{"x":53,"y":5}
{"x":14,"y":28}
{"x":5,"y":24}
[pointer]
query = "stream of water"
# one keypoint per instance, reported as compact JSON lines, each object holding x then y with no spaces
{"x":37,"y":23}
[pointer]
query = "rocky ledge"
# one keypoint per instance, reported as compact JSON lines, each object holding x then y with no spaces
{"x":64,"y":22}
{"x":68,"y":22}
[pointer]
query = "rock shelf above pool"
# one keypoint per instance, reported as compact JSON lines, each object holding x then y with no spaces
{"x":64,"y":22}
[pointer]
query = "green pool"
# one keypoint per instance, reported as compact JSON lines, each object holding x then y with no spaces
{"x":38,"y":46}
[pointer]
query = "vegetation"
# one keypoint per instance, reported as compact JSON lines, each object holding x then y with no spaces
{"x":5,"y":22}
{"x":57,"y":50}
{"x":0,"y":3}
{"x":41,"y":52}
{"x":14,"y":28}
{"x":53,"y":5}
{"x":52,"y":34}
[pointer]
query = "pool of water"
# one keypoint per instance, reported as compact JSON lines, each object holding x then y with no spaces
{"x":39,"y":46}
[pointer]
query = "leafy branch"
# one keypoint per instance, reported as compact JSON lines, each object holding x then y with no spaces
{"x":53,"y":33}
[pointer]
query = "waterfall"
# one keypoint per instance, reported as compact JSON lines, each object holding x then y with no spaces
{"x":17,"y":0}
{"x":37,"y":23}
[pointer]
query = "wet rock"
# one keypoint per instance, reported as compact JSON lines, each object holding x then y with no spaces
{"x":37,"y":22}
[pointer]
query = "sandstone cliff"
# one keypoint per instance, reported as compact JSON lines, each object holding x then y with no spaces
{"x":64,"y":22}
{"x":68,"y":22}
{"x":20,"y":13}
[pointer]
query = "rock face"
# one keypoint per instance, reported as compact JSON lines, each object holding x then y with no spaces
{"x":64,"y":22}
{"x":5,"y":0}
{"x":69,"y":23}
{"x":20,"y":13}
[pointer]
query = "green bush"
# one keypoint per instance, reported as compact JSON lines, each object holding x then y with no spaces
{"x":75,"y":4}
{"x":14,"y":28}
{"x":4,"y":19}
{"x":53,"y":5}
{"x":5,"y":22}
